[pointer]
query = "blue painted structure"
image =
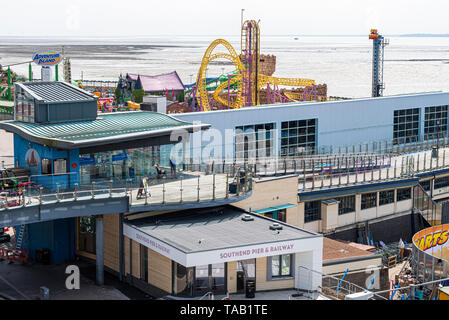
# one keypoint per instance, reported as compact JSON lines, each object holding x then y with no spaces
{"x":57,"y":235}
{"x":21,"y":148}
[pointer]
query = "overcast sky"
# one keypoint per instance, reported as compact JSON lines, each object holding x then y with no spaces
{"x":212,"y":17}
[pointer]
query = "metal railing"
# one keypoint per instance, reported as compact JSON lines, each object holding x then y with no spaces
{"x":429,"y":209}
{"x":331,"y":286}
{"x":184,"y":187}
{"x":428,"y":267}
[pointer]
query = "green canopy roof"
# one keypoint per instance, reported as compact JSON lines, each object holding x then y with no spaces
{"x":271,"y":209}
{"x":107,"y":128}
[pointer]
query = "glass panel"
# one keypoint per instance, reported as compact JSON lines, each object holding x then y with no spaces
{"x":143,"y":263}
{"x":201,"y":279}
{"x":183,"y":282}
{"x":46,"y":166}
{"x":60,"y":166}
{"x":218,"y":278}
{"x":275,"y":266}
{"x":86,"y":234}
{"x":282,"y":215}
{"x":286,"y":265}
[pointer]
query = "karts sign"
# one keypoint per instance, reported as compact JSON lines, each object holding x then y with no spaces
{"x":434,"y":241}
{"x":47,"y":58}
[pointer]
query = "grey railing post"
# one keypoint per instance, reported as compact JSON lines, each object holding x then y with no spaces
{"x":198,"y":189}
{"x":163,"y":192}
{"x":146,"y":194}
{"x":424,"y":165}
{"x":444,"y":157}
{"x":57,"y":192}
{"x":402,"y":166}
{"x":110,"y":188}
{"x":431,"y":162}
{"x":304,"y":173}
{"x":40,"y":195}
{"x":364,"y":170}
{"x":130,"y":192}
{"x":330,"y":180}
{"x":395,"y":164}
{"x":417,"y":165}
{"x":245,"y":186}
{"x":92,"y":189}
{"x":75,"y":193}
{"x":313,"y":174}
{"x":180,"y":190}
{"x":227,"y":185}
{"x":213,"y":187}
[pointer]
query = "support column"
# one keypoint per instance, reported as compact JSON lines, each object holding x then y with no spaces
{"x":121,"y":248}
{"x":99,"y":250}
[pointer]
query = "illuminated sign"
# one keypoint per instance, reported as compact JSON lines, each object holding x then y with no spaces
{"x":47,"y":58}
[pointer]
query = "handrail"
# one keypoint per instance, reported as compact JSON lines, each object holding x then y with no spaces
{"x":206,"y":294}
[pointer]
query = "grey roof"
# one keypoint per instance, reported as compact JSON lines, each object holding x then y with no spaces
{"x":218,"y":228}
{"x":55,"y":92}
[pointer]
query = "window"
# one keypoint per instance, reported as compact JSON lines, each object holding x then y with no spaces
{"x":346,"y":205}
{"x":406,"y":126}
{"x":425,"y":185}
{"x":60,"y":166}
{"x":441,"y":182}
{"x":369,"y":200}
{"x":254,"y":141}
{"x":403,"y":194}
{"x":298,"y":137}
{"x":46,"y":166}
{"x":312,"y":211}
{"x":87,"y":234}
{"x":24,"y":105}
{"x":143,"y":263}
{"x":386,"y":197}
{"x":281,"y":266}
{"x":435,"y":122}
{"x":280,"y":215}
{"x":183,"y":280}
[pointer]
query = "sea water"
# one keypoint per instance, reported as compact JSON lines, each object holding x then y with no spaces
{"x":344,"y":63}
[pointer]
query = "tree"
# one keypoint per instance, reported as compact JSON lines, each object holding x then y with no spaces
{"x":138,"y":95}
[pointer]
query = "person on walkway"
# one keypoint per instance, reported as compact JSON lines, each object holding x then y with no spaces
{"x":159,"y":171}
{"x":173,"y":166}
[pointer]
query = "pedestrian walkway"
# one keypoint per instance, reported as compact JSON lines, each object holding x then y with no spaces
{"x":21,"y":281}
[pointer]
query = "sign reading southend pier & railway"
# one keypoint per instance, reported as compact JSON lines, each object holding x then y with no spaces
{"x":47,"y":58}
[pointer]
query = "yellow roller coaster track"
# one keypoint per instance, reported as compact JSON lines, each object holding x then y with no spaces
{"x":263,"y":80}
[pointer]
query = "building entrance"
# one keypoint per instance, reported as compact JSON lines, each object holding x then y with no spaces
{"x":246,"y":270}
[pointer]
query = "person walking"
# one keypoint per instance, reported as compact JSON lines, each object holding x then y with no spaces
{"x":173,"y":166}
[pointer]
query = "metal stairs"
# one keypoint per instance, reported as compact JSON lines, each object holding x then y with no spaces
{"x":21,"y":236}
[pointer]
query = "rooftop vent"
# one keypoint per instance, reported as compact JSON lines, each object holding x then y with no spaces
{"x":247,"y":217}
{"x":275,"y":226}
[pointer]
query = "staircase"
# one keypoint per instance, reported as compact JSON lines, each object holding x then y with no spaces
{"x":21,"y":236}
{"x":430,"y":210}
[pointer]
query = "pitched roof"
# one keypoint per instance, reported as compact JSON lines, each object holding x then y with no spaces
{"x":168,"y":81}
{"x":55,"y":92}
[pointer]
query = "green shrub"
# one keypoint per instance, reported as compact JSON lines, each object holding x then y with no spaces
{"x":138,"y":95}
